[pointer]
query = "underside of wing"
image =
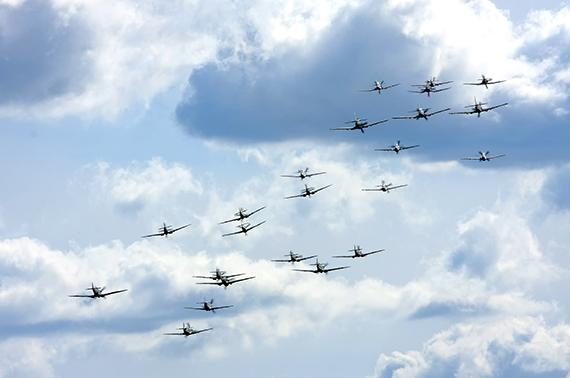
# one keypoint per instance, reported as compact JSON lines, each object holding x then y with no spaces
{"x":234,"y":233}
{"x":179,"y":228}
{"x":201,"y":330}
{"x":375,"y":123}
{"x":81,"y":296}
{"x":296,"y":176}
{"x":463,"y":112}
{"x":371,"y":253}
{"x":471,"y":158}
{"x":345,"y":257}
{"x":474,"y":83}
{"x":196,"y":308}
{"x":174,"y":334}
{"x":315,"y":174}
{"x":396,"y":187}
{"x":495,"y":107}
{"x":443,"y":83}
{"x":242,"y":279}
{"x":333,"y":269}
{"x":151,"y":235}
{"x":404,"y":117}
{"x":366,"y":90}
{"x":440,"y":90}
{"x":385,"y":149}
{"x":391,"y":86}
{"x":230,"y":220}
{"x":342,"y":128}
{"x":259,"y":224}
{"x":256,"y":211}
{"x":323,"y":188}
{"x":408,"y":147}
{"x":439,"y":111}
{"x":209,"y":283}
{"x":372,"y":190}
{"x":281,"y":260}
{"x":295,"y":196}
{"x":306,"y":270}
{"x":496,"y":82}
{"x":218,"y":308}
{"x":306,"y":258}
{"x":113,"y":292}
{"x":494,"y":157}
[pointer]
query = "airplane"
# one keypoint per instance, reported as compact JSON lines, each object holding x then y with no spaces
{"x":384,"y":188}
{"x":97,"y":292}
{"x":432,"y":82}
{"x":241,"y":215}
{"x":426,"y":88}
{"x":293,"y":258}
{"x":484,"y":157}
{"x":308,"y":191}
{"x":208,"y":306}
{"x":187,"y":330}
{"x":165,"y":230}
{"x":422,"y":113}
{"x":378,"y":87}
{"x":320,"y":268}
{"x":478,"y":108}
{"x":225,"y":281}
{"x":359,"y":124}
{"x":244,"y":228}
{"x":485,"y":81}
{"x":303,"y":174}
{"x":396,"y":148}
{"x":219,"y":274}
{"x":358,"y":253}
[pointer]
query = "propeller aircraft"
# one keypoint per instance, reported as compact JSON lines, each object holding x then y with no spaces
{"x":165,"y":230}
{"x":359,"y":124}
{"x":242,"y":214}
{"x":219,"y":274}
{"x":432,"y":82}
{"x":478,"y":108}
{"x":244,"y":229}
{"x":226,"y":281}
{"x":308,"y":191}
{"x":208,"y":306}
{"x":303,"y":174}
{"x":486,"y":82}
{"x":187,"y":330}
{"x":384,"y":187}
{"x":293,"y":258}
{"x":422,"y":113}
{"x":379,"y":86}
{"x":97,"y":292}
{"x":484,"y":156}
{"x":358,"y":253}
{"x":426,"y":88}
{"x":397,"y":147}
{"x":320,"y":268}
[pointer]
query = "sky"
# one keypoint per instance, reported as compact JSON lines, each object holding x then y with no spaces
{"x":117,"y":116}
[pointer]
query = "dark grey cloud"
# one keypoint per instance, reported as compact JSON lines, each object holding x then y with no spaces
{"x":41,"y":55}
{"x":301,"y":96}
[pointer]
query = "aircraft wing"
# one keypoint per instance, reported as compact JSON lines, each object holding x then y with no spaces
{"x":345,"y":257}
{"x":282,"y":260}
{"x":385,"y":149}
{"x":405,"y":148}
{"x":253,"y":212}
{"x":306,"y":258}
{"x":151,"y":235}
{"x":421,"y":91}
{"x":295,"y":196}
{"x":371,"y":253}
{"x":375,"y":123}
{"x":259,"y":224}
{"x":174,"y":334}
{"x":234,"y":233}
{"x":206,"y":277}
{"x":404,"y":117}
{"x":471,"y":112}
{"x":233,"y":275}
{"x":179,"y":228}
{"x":367,"y":90}
{"x":241,"y":279}
{"x":497,"y":156}
{"x":480,"y":83}
{"x":217,"y":308}
{"x":439,"y":111}
{"x":82,"y":296}
{"x":396,"y":187}
{"x":210,"y":283}
{"x":373,"y":190}
{"x":230,"y":220}
{"x":318,"y":190}
{"x":496,"y":82}
{"x":294,"y":176}
{"x":314,"y":174}
{"x":113,"y":292}
{"x":196,"y":308}
{"x":332,"y":269}
{"x":391,"y":86}
{"x":495,"y":107}
{"x":471,"y":158}
{"x":343,"y":128}
{"x":306,"y":270}
{"x":200,"y":330}
{"x":440,"y":90}
{"x":444,"y":82}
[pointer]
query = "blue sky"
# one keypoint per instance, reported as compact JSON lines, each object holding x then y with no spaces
{"x":118,"y":116}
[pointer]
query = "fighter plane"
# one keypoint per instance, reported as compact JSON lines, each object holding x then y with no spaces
{"x":485,"y":81}
{"x":379,"y":87}
{"x":478,"y":108}
{"x":426,"y":88}
{"x":303,"y":174}
{"x":293,"y":258}
{"x":165,"y":230}
{"x":320,"y":268}
{"x":358,"y":252}
{"x":432,"y":82}
{"x":422,"y":113}
{"x":244,"y":229}
{"x":226,"y":281}
{"x":187,"y":330}
{"x":219,"y":274}
{"x":484,"y":157}
{"x":308,"y":191}
{"x":97,"y":292}
{"x":384,"y":187}
{"x":359,"y":124}
{"x":242,"y":214}
{"x":397,"y":147}
{"x":208,"y":306}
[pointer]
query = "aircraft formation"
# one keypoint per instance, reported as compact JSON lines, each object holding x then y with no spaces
{"x":222,"y":279}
